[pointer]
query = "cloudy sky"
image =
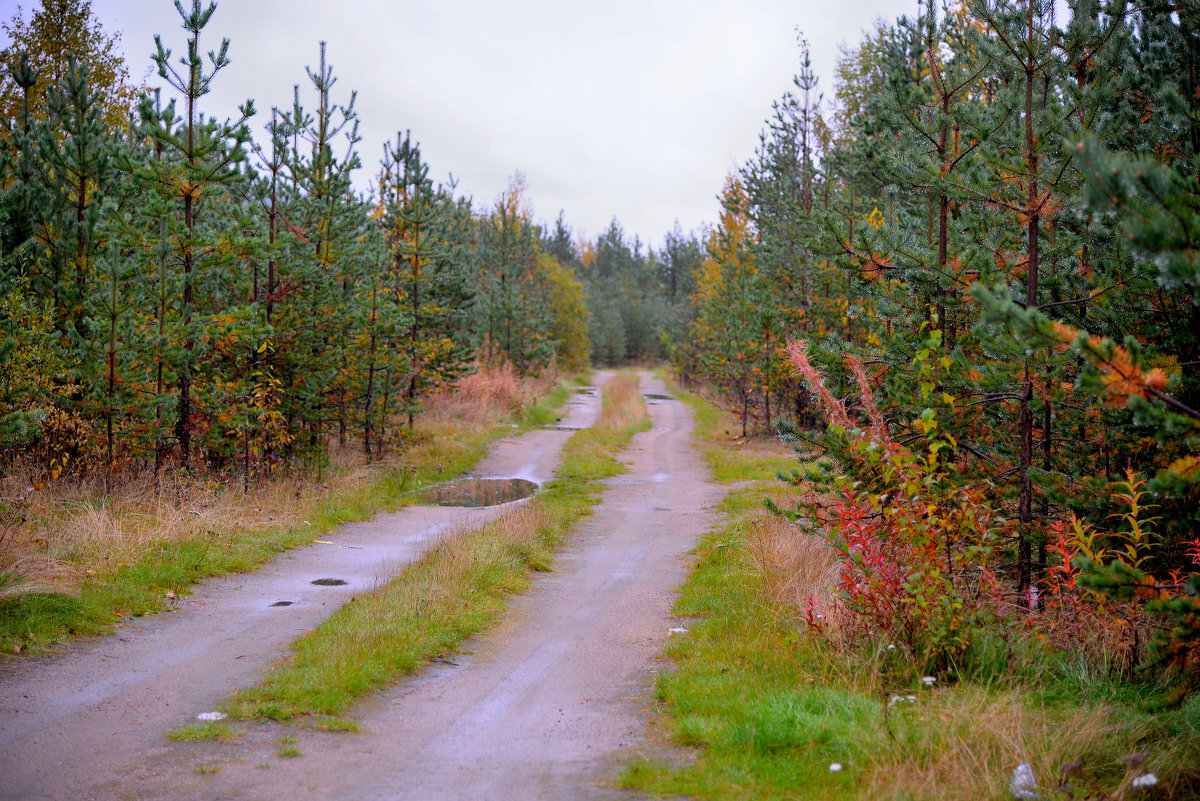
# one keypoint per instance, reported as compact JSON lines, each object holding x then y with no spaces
{"x":634,"y":109}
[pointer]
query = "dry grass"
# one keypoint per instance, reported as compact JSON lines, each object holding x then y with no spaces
{"x":74,"y":528}
{"x":962,"y":744}
{"x":798,"y":570}
{"x":492,"y":392}
{"x":623,"y":404}
{"x":58,"y":535}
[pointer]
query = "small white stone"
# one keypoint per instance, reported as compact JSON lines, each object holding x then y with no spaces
{"x":834,"y":767}
{"x":929,"y":681}
{"x":677,"y":631}
{"x":1144,"y":781}
{"x":891,"y":648}
{"x":912,"y":699}
{"x":211,"y":716}
{"x":1023,"y":784}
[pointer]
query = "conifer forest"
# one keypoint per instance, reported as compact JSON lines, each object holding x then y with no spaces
{"x":960,"y":277}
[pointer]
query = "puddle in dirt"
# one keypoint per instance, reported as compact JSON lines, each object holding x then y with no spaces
{"x":283,"y":603}
{"x":561,"y":428}
{"x":329,"y":582}
{"x":479,"y":492}
{"x":584,"y":390}
{"x":652,"y":396}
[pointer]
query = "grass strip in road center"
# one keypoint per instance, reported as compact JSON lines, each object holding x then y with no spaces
{"x":452,"y":593}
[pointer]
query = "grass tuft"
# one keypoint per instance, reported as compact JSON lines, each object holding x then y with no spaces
{"x":338,"y":725}
{"x":205,"y":732}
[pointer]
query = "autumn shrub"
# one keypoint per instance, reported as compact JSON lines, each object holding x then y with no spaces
{"x":493,"y":387}
{"x":915,"y":545}
{"x":1102,"y":586}
{"x":1139,"y":577}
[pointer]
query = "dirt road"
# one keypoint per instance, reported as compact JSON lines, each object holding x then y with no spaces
{"x":545,"y":706}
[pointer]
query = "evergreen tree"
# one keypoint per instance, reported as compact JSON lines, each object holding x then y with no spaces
{"x":201,"y":158}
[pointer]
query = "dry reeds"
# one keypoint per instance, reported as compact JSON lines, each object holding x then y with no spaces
{"x":623,"y":404}
{"x":798,"y":570}
{"x":74,"y":528}
{"x":492,"y":391}
{"x":964,"y":744}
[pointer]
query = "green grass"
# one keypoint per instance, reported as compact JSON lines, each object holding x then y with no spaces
{"x":287,"y":748}
{"x":204,"y":732}
{"x":39,"y":621}
{"x":452,"y":593}
{"x":731,"y":460}
{"x":545,"y":411}
{"x":339,"y":725}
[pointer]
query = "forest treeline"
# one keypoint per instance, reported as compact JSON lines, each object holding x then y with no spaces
{"x":177,"y":290}
{"x":977,"y":266}
{"x":181,"y":291}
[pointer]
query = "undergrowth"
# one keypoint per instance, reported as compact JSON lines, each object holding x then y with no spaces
{"x":775,"y":708}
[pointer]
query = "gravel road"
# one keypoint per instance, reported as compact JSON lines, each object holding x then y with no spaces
{"x":547,"y":705}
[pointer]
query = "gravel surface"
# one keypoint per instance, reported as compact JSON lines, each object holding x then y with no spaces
{"x":547,"y":705}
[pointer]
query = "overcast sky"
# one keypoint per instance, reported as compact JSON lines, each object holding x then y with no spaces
{"x":634,"y":109}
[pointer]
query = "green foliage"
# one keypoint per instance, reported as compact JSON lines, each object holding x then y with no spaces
{"x":1050,"y":158}
{"x":221,"y":303}
{"x":30,"y":362}
{"x":916,"y":546}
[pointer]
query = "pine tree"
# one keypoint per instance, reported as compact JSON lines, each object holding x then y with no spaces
{"x":201,"y":157}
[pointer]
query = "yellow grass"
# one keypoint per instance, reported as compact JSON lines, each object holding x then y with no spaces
{"x":794,"y":566}
{"x":53,"y":537}
{"x":623,"y":405}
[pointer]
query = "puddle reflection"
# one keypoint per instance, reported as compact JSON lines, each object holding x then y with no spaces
{"x":479,"y":492}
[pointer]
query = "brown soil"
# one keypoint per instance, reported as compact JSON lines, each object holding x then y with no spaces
{"x":548,"y":705}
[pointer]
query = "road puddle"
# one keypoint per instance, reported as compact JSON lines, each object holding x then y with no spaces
{"x":330,"y":582}
{"x":479,"y":492}
{"x":652,"y":396}
{"x":283,"y":603}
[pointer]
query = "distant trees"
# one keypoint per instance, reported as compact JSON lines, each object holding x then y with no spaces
{"x":638,"y":297}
